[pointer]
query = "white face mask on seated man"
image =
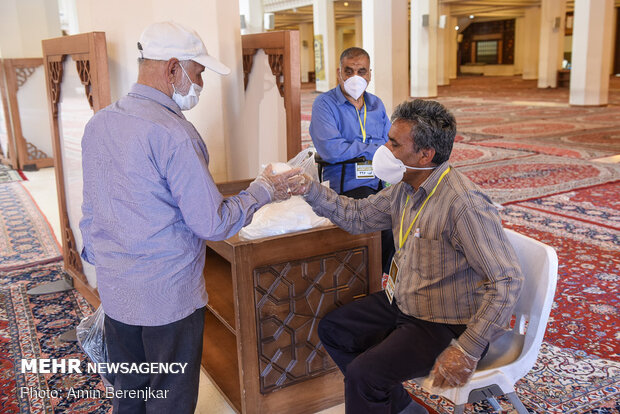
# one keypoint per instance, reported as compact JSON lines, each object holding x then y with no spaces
{"x":355,"y":86}
{"x":389,"y":168}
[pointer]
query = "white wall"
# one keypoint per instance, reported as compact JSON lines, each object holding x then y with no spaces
{"x":24,"y":23}
{"x":33,"y":112}
{"x":218,"y":24}
{"x":261,"y":137}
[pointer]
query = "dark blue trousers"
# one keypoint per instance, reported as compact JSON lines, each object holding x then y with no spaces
{"x":377,"y":347}
{"x":180,"y":342}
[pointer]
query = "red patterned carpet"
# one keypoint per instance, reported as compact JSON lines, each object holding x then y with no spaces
{"x":529,"y":177}
{"x":26,"y":238}
{"x":29,"y":328}
{"x":585,"y":312}
{"x":511,"y":88}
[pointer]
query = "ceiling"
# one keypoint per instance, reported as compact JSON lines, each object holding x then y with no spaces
{"x":482,"y":10}
{"x":344,"y":15}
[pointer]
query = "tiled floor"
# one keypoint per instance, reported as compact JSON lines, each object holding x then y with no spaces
{"x":42,"y":186}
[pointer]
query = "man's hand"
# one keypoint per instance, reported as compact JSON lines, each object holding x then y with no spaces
{"x":453,"y":367}
{"x":299,"y":184}
{"x":279,"y":185}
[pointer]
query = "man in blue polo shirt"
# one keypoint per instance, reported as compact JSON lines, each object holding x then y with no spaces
{"x":347,"y":123}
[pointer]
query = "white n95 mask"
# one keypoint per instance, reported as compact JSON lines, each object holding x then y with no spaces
{"x":389,"y":168}
{"x":355,"y":86}
{"x":187,"y":102}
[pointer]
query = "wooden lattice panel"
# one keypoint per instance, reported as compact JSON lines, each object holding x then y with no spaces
{"x":290,"y":300}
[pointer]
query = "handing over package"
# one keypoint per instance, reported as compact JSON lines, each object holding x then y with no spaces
{"x":290,"y":215}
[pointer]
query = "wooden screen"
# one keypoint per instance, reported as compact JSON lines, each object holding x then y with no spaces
{"x":76,"y":73}
{"x":282,"y":48}
{"x":25,"y":79}
{"x":8,"y":155}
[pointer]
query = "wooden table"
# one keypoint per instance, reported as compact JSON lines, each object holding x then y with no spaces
{"x":563,"y":78}
{"x":266,"y":297}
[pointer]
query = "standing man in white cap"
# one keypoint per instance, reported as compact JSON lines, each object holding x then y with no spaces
{"x":149,"y":204}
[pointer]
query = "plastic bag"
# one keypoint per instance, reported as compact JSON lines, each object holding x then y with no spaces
{"x":290,"y":215}
{"x":91,"y":337}
{"x":305,"y":160}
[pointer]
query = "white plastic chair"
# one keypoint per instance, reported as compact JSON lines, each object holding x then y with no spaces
{"x":513,"y":354}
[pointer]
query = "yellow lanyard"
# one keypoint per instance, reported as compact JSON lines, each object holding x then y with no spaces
{"x":362,"y":126}
{"x":402,"y":241}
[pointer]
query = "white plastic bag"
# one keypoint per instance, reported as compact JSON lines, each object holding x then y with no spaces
{"x":305,"y":160}
{"x":91,"y":337}
{"x":290,"y":215}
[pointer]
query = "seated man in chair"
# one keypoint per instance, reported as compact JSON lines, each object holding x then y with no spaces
{"x":454,"y":279}
{"x":349,"y":123}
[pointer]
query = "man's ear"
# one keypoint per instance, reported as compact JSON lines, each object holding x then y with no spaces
{"x":171,"y":69}
{"x":427,"y":156}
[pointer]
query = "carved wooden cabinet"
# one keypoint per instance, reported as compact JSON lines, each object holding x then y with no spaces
{"x":266,"y":298}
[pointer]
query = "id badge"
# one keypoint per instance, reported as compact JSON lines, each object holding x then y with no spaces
{"x":364,"y":170}
{"x":390,"y":285}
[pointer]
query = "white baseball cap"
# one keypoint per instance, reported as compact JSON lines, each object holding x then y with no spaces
{"x":165,"y":40}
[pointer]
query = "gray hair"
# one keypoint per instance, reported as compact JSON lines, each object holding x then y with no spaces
{"x":353,"y":52}
{"x":433,"y":126}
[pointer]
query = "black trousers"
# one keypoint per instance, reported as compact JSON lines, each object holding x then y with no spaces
{"x":387,"y":238}
{"x":377,"y":347}
{"x":179,"y":342}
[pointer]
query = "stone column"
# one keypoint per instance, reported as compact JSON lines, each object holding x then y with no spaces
{"x":591,"y":56}
{"x":325,"y":59}
{"x":339,"y":43}
{"x":306,"y":50}
{"x":454,"y":47}
{"x":359,"y":38}
{"x":443,"y":45}
{"x":424,"y":48}
{"x":531,"y":43}
{"x":550,"y":56}
{"x":385,"y":40}
{"x":520,"y":45}
{"x":252,"y":12}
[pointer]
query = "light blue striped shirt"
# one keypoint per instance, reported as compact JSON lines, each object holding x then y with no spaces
{"x":149,"y":204}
